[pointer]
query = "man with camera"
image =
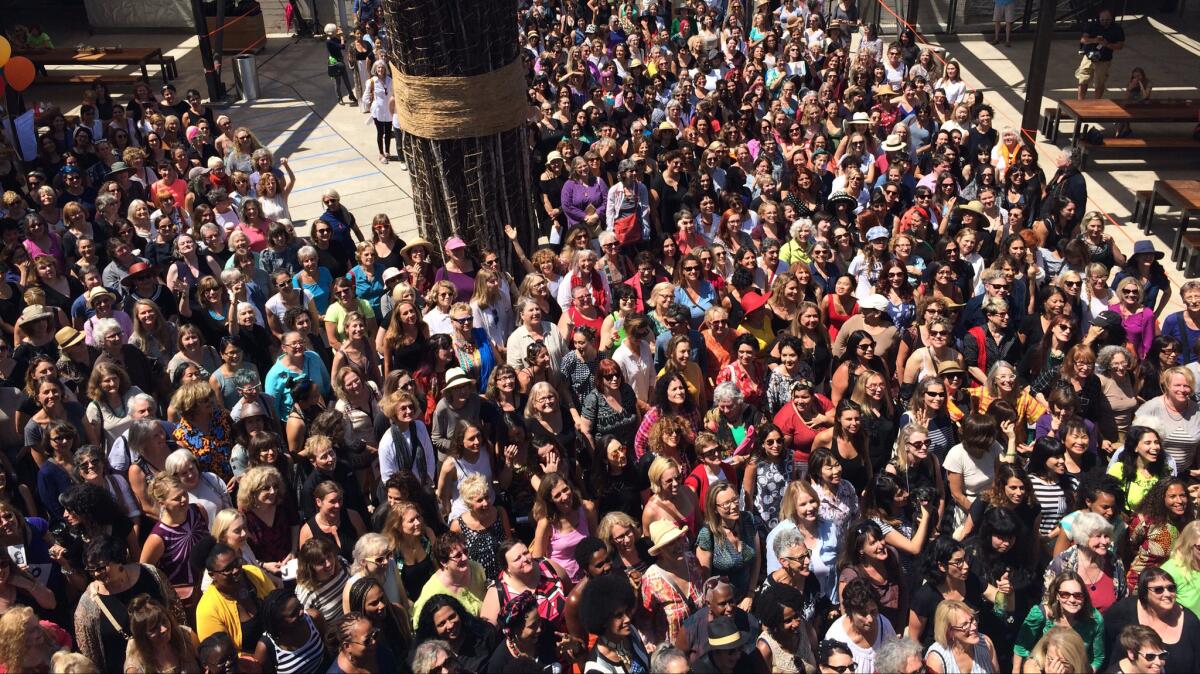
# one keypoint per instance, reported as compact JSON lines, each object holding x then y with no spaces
{"x":1101,"y":37}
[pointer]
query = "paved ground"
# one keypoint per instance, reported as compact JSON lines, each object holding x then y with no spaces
{"x":333,"y":146}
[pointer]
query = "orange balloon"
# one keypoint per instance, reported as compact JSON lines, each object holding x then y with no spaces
{"x":5,"y":50}
{"x":19,"y":73}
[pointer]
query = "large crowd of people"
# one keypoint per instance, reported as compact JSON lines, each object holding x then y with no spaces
{"x":810,"y":369}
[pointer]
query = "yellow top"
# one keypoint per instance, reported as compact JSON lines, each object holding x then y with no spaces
{"x":218,"y":613}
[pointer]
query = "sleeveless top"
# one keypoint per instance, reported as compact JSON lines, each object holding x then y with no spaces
{"x":551,"y":599}
{"x":854,"y":470}
{"x":578,"y":319}
{"x":177,"y":543}
{"x":782,"y":660}
{"x":481,"y":465}
{"x":481,"y":545}
{"x":982,"y":658}
{"x":562,"y":546}
{"x":413,"y":576}
{"x":346,"y":534}
{"x":306,"y":658}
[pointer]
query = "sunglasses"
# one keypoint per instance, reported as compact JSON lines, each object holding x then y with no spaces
{"x":1159,"y":589}
{"x":1063,"y":596}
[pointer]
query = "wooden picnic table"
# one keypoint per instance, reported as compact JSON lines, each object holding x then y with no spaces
{"x":1108,"y":110}
{"x":128,"y":56}
{"x":1180,"y":194}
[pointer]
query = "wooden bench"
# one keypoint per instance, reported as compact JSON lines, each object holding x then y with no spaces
{"x":1188,"y":248}
{"x":1147,"y":143}
{"x":88,"y":79}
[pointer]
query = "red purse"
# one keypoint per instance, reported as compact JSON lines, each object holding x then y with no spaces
{"x":628,"y":229}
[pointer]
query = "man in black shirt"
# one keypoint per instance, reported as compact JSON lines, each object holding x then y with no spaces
{"x":1101,"y":38}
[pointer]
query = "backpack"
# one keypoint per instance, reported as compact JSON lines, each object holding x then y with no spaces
{"x":981,"y":339}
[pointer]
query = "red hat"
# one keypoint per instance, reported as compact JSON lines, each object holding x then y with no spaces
{"x":753,"y":301}
{"x":135,"y":270}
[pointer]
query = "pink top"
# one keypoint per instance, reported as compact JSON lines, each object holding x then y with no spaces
{"x":255,"y":236}
{"x":1140,"y":328}
{"x":562,"y":546}
{"x":54,"y":250}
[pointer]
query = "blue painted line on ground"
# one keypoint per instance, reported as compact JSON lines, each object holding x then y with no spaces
{"x":336,"y":182}
{"x":328,"y":164}
{"x":302,"y":157}
{"x":276,"y":142}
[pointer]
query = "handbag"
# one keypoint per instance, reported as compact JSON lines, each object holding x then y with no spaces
{"x":628,"y":229}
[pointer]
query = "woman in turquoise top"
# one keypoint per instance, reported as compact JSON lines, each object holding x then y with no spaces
{"x":314,"y":278}
{"x":692,"y":290}
{"x":368,"y":276}
{"x":1067,"y":604}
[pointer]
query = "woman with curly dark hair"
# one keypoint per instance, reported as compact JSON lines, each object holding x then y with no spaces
{"x":1153,"y":530}
{"x":607,"y":605}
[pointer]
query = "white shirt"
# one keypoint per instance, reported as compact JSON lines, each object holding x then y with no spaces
{"x":864,"y":658}
{"x":637,"y":368}
{"x":388,"y":465}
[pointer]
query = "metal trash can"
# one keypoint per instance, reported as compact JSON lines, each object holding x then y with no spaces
{"x":247,"y":72}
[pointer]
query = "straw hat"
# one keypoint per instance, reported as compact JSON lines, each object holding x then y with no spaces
{"x":662,"y":533}
{"x":35,"y":312}
{"x":418,"y":243}
{"x":893,"y":143}
{"x":456,"y":377}
{"x":974,"y":206}
{"x":68,"y":337}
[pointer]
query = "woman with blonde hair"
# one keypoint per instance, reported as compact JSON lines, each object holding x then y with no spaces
{"x":181,"y":525}
{"x":669,"y":500}
{"x":958,"y":645}
{"x":26,"y":645}
{"x":229,"y":527}
{"x":152,"y":332}
{"x":1059,"y":650}
{"x":1139,"y":321}
{"x":491,"y":311}
{"x":272,"y":524}
{"x":1184,"y":566}
{"x":357,"y":348}
{"x":111,"y":393}
{"x":412,"y":541}
{"x":158,"y":642}
{"x":484,"y":525}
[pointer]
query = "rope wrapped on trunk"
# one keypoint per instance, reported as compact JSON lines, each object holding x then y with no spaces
{"x":444,"y":108}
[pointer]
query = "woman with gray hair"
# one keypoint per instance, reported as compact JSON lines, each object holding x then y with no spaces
{"x":731,"y":416}
{"x":628,"y":197}
{"x":1114,"y":366}
{"x":204,"y":489}
{"x":314,"y":278}
{"x":436,"y":655}
{"x":901,"y":655}
{"x":1093,"y":557}
{"x":668,"y":660}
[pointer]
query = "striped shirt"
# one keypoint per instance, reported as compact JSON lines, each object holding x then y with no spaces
{"x":307,"y":658}
{"x":1053,"y":499}
{"x":326,"y":599}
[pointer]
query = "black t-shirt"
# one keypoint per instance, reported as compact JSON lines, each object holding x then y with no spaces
{"x":977,"y":139}
{"x":1184,"y":655}
{"x":927,"y":597}
{"x":1114,"y":33}
{"x":177,"y":109}
{"x":331,"y":259}
{"x":111,"y":641}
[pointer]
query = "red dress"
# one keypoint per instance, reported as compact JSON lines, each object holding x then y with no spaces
{"x":835,"y":320}
{"x":798,"y":434}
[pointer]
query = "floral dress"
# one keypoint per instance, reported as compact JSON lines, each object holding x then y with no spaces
{"x":771,"y":479}
{"x":211,"y":449}
{"x":1151,"y":544}
{"x":667,"y":605}
{"x":839,"y":509}
{"x":482,"y":545}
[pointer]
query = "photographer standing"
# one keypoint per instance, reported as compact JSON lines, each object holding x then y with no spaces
{"x":1101,"y":37}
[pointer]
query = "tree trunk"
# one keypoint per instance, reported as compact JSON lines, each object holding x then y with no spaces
{"x":466,"y":187}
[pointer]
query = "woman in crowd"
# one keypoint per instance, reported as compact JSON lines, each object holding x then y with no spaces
{"x":1067,"y":604}
{"x":1155,"y":527}
{"x":181,"y":525}
{"x":470,"y":639}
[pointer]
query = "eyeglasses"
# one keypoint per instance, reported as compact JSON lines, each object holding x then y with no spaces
{"x":728,"y":505}
{"x":998,"y":313}
{"x":89,"y":465}
{"x":961,"y":563}
{"x":967,"y":626}
{"x":234,"y":570}
{"x":371,"y":638}
{"x":938,"y":333}
{"x":919,"y":444}
{"x":802,"y":559}
{"x":1159,"y":589}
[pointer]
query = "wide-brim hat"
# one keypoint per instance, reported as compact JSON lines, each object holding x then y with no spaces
{"x":389,"y":274}
{"x":885,"y":91}
{"x":136,"y":271}
{"x":68,"y":337}
{"x":35,"y":312}
{"x":98,"y":292}
{"x":1145,"y":247}
{"x":974,"y":206}
{"x":666,"y":125}
{"x":860,"y":118}
{"x":724,"y":635}
{"x":117,"y":168}
{"x":456,"y":377}
{"x":663,"y":533}
{"x":893,"y":144}
{"x":418,"y":243}
{"x":874,"y":301}
{"x":842,"y":195}
{"x":753,"y":301}
{"x":950,"y":367}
